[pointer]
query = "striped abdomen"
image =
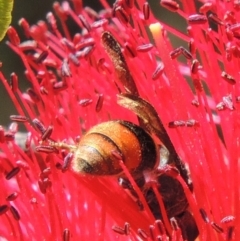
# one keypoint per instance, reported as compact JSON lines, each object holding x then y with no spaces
{"x":94,"y":151}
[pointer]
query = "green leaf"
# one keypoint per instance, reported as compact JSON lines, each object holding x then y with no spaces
{"x":6,"y":7}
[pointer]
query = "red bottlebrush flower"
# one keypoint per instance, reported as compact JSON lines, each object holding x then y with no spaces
{"x":121,"y":65}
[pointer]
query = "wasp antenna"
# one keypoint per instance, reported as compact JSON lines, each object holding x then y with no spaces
{"x":62,"y":145}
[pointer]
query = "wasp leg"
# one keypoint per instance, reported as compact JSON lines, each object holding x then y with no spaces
{"x":114,"y":51}
{"x":187,"y":225}
{"x":125,"y":184}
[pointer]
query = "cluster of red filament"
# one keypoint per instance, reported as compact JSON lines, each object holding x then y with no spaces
{"x":194,"y":89}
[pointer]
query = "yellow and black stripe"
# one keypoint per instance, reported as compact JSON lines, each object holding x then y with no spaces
{"x":94,"y":151}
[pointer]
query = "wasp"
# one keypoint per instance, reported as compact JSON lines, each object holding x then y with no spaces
{"x":137,"y":147}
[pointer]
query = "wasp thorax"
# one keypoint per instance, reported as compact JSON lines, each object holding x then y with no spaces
{"x":93,"y":154}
